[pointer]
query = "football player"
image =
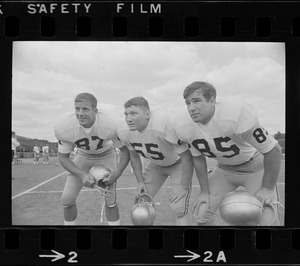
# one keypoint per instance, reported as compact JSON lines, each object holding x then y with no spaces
{"x":229,"y":132}
{"x":145,"y":133}
{"x":36,"y":155}
{"x":45,"y":154}
{"x":93,"y":133}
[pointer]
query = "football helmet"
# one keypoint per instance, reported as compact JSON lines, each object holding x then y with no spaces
{"x":99,"y":172}
{"x":240,"y":208}
{"x":143,"y":212}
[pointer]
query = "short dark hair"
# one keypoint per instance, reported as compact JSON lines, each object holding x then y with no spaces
{"x":207,"y":90}
{"x":87,"y":97}
{"x":138,"y":101}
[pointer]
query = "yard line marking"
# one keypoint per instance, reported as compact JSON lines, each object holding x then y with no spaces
{"x":90,"y":190}
{"x":27,"y":191}
{"x":83,"y":190}
{"x":44,"y":192}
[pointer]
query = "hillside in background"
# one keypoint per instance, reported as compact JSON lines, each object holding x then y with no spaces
{"x":27,"y":144}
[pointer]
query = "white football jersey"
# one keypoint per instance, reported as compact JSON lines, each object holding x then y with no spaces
{"x":232,"y":136}
{"x":45,"y":149}
{"x":154,"y":143}
{"x":94,"y":140}
{"x":36,"y":149}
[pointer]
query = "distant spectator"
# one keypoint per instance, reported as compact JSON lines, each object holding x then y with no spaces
{"x":36,"y":154}
{"x":46,"y":154}
{"x":14,"y":145}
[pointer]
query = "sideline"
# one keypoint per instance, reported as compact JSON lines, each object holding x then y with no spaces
{"x":27,"y":191}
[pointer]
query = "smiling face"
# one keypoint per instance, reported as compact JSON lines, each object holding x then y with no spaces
{"x":85,"y":113}
{"x":200,"y":109}
{"x":137,"y":118}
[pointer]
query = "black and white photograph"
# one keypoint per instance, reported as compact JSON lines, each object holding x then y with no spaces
{"x":156,"y":133}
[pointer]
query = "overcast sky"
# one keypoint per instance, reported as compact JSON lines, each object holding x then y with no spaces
{"x":48,"y":75}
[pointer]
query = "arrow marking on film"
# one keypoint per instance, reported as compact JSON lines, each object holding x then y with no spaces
{"x":192,"y":257}
{"x":56,"y":257}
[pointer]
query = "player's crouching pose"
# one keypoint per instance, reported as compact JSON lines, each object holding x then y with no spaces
{"x":230,"y":133}
{"x":93,"y":133}
{"x":145,"y":133}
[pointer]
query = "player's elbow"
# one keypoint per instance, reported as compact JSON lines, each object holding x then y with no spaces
{"x":275,"y":153}
{"x":62,"y":157}
{"x":124,"y":150}
{"x":201,"y":159}
{"x":134,"y":156}
{"x":186,"y":156}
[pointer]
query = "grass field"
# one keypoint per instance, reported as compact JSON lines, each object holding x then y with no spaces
{"x":36,"y":193}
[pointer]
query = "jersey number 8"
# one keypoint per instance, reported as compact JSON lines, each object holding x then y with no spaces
{"x":218,"y":143}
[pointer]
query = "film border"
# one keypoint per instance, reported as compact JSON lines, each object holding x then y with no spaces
{"x":267,"y":21}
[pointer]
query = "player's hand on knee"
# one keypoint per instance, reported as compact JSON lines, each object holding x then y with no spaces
{"x":264,"y":195}
{"x":177,"y":191}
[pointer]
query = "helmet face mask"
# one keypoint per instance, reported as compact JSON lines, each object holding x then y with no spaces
{"x":241,"y":208}
{"x":269,"y":215}
{"x":143,"y":212}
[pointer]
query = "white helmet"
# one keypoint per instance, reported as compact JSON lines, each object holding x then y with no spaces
{"x":240,"y":208}
{"x":143,"y":212}
{"x":99,"y":172}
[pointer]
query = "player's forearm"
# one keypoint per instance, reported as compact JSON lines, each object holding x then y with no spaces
{"x":136,"y":165}
{"x":69,"y":165}
{"x":201,"y":172}
{"x":187,"y":168}
{"x":124,"y":160}
{"x":272,"y":163}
